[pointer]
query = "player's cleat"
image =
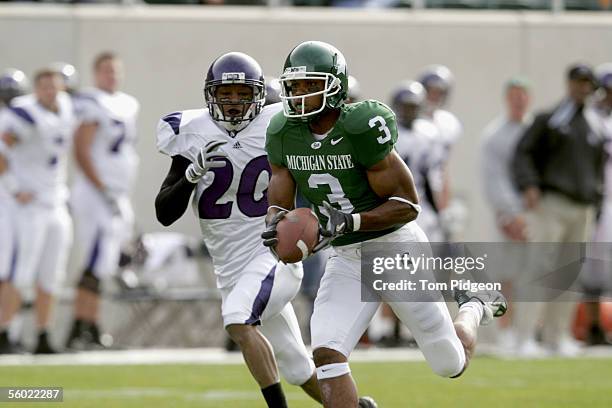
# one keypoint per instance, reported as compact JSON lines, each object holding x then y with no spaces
{"x":597,"y":337}
{"x":494,"y":303}
{"x":43,"y":346}
{"x":7,"y":346}
{"x":367,"y":402}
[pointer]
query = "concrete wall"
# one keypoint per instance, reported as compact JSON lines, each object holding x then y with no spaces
{"x":167,"y":50}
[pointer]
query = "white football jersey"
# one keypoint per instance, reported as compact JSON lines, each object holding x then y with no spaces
{"x":449,"y":127}
{"x":4,"y":150}
{"x":113,"y":152}
{"x":421,"y":150}
{"x":38,"y":160}
{"x":231,"y":201}
{"x":424,"y":152}
{"x":608,"y":170}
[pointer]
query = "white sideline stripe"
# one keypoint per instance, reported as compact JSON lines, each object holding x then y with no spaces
{"x":218,"y":356}
{"x":214,"y":356}
{"x":211,"y":395}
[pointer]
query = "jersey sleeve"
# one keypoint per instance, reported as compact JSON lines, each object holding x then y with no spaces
{"x":89,"y":110}
{"x":274,"y":140}
{"x":373,"y":131}
{"x":19,"y":122}
{"x":170,"y":141}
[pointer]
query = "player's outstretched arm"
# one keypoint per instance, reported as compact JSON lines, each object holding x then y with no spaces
{"x":391,"y":179}
{"x":173,"y":197}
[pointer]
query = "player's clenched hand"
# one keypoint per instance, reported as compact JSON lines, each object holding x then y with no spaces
{"x":206,"y":159}
{"x":24,"y":197}
{"x":339,"y":224}
{"x":269,"y":235}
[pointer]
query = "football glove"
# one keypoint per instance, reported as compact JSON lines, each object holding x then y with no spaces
{"x":206,"y":160}
{"x":269,"y":235}
{"x":339,"y":224}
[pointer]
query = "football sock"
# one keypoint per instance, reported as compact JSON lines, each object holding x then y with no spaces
{"x":274,"y":396}
{"x":471,"y":313}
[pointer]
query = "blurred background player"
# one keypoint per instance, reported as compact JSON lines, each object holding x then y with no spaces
{"x":561,"y":194}
{"x":418,"y":145}
{"x":107,"y":163}
{"x":499,"y":141}
{"x":218,"y":155}
{"x":438,"y":82}
{"x":39,"y":134}
{"x":13,"y":83}
{"x":598,"y":276}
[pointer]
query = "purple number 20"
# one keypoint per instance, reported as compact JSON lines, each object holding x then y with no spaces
{"x":245,"y":197}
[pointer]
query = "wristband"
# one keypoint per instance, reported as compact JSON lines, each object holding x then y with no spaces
{"x":356,"y":221}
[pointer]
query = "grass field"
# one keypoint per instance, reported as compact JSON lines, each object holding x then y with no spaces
{"x":488,"y":383}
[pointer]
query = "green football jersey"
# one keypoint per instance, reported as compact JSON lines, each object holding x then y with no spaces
{"x":334,"y":169}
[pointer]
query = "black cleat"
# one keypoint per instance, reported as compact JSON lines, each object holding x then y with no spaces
{"x":8,"y":347}
{"x":43,"y":346}
{"x":367,"y":402}
{"x":74,"y":342}
{"x":597,"y":337}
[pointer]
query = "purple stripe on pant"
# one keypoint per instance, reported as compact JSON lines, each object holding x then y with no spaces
{"x":262,"y":298}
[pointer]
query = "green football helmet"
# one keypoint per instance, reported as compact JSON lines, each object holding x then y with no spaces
{"x":314,"y":60}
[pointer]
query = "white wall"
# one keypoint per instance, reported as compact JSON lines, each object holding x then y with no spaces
{"x":167,"y":51}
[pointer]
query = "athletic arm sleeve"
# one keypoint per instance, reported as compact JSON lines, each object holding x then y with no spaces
{"x":173,"y":197}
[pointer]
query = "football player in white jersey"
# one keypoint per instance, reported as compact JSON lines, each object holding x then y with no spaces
{"x":39,"y":134}
{"x":438,"y":82}
{"x":13,"y":83}
{"x":107,"y":163}
{"x":418,"y":145}
{"x":218,"y":155}
{"x":598,"y":277}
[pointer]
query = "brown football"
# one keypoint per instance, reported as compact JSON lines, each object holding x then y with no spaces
{"x":297,"y":233}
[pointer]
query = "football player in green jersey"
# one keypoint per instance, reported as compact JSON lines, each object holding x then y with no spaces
{"x":342,"y":159}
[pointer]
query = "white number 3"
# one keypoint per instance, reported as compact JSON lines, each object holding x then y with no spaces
{"x":383,"y":128}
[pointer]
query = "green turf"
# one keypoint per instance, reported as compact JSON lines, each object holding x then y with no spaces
{"x":487,"y":383}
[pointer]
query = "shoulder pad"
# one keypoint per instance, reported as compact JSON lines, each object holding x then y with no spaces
{"x":358,"y":115}
{"x":173,"y":127}
{"x":426,"y":128}
{"x":277,"y":123}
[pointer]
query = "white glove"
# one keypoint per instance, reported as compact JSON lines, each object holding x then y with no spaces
{"x":206,"y":159}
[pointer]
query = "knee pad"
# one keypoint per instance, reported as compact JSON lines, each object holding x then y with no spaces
{"x":295,"y":367}
{"x":333,"y":370}
{"x":445,"y":358}
{"x":90,"y":282}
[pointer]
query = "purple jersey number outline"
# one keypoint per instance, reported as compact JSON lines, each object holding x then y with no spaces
{"x":208,"y":208}
{"x":121,"y":138}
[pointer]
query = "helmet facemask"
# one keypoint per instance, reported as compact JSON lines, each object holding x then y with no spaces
{"x":295,"y":106}
{"x":248,"y":108}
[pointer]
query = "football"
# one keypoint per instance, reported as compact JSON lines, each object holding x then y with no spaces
{"x":297,"y":233}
